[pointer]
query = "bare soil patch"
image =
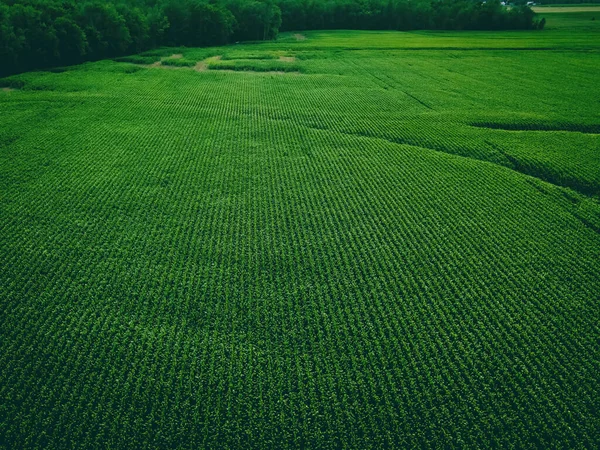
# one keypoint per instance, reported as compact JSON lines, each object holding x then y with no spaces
{"x":300,"y":37}
{"x":160,"y":64}
{"x":202,"y":66}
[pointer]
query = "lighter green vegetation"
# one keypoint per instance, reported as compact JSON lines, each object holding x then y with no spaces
{"x":352,"y":240}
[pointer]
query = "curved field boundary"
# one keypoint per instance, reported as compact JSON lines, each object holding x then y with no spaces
{"x":572,"y":128}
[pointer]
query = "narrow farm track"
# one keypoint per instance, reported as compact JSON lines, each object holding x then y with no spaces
{"x":317,"y":260}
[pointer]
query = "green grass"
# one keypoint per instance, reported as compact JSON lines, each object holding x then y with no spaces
{"x":139,"y":59}
{"x":178,"y":62}
{"x":396,"y":247}
{"x":254,"y":65}
{"x":245,"y":54}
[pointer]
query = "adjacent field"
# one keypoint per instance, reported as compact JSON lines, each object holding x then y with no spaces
{"x":336,"y":240}
{"x":566,"y":9}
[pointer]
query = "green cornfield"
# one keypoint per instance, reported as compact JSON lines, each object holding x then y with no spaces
{"x":333,"y":240}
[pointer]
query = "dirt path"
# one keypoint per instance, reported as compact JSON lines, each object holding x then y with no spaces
{"x":160,"y":63}
{"x":202,"y":66}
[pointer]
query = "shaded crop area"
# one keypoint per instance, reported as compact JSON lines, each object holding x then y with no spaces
{"x":337,"y":258}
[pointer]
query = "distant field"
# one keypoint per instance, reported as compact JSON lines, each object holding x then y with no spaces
{"x":566,"y":9}
{"x":336,"y":240}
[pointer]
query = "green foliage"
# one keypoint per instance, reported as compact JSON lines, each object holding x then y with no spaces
{"x":106,"y":30}
{"x":139,"y":59}
{"x":398,"y":247}
{"x":245,"y":54}
{"x":138,"y":28}
{"x":178,"y":62}
{"x":72,"y":41}
{"x":193,"y":23}
{"x":404,"y":15}
{"x":256,"y":20}
{"x":253,"y":66}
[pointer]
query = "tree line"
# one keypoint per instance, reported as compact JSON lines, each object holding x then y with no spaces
{"x":404,"y":15}
{"x":44,"y":33}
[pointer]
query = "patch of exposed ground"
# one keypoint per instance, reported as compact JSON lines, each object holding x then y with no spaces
{"x":160,"y":64}
{"x":300,"y":37}
{"x":202,"y":66}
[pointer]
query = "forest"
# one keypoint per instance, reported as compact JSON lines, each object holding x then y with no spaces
{"x":44,"y":33}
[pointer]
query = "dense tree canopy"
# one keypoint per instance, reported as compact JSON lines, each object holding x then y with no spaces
{"x":43,"y":33}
